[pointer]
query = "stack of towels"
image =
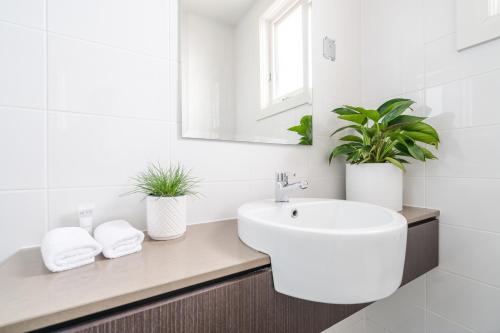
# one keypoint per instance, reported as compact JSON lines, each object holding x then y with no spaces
{"x":67,"y":248}
{"x":118,"y":239}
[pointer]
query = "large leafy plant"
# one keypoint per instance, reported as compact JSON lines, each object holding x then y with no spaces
{"x":385,"y":135}
{"x":304,"y":129}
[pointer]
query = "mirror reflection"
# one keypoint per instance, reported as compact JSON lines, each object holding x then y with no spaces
{"x":246,"y":70}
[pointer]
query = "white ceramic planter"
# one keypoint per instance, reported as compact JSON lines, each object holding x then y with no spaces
{"x":166,"y":217}
{"x":377,"y":183}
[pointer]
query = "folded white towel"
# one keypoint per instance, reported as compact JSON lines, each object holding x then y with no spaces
{"x":118,"y":238}
{"x":67,"y":248}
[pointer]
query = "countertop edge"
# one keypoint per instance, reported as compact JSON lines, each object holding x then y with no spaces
{"x":419,"y":214}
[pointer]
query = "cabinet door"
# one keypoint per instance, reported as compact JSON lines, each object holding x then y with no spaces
{"x":245,"y":304}
{"x":422,"y":250}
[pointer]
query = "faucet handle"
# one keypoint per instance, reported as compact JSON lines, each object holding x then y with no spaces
{"x":282,"y":176}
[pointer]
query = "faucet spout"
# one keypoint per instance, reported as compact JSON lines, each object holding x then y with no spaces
{"x":283,"y":188}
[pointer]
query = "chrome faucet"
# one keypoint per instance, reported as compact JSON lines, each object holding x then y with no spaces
{"x":283,"y":188}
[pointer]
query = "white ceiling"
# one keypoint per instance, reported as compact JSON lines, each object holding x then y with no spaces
{"x":228,"y":11}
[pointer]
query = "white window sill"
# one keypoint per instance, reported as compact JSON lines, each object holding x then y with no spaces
{"x":286,"y":105}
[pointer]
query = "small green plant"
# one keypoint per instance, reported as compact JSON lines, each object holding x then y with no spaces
{"x":158,"y":181}
{"x":304,"y":129}
{"x":385,"y":135}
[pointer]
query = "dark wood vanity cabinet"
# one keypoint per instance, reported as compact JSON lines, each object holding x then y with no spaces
{"x":248,"y":302}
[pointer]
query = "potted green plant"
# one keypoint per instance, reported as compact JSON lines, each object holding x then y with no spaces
{"x":166,"y":191}
{"x":381,"y":142}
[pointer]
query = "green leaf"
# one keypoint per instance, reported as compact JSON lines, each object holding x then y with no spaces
{"x":388,"y":148}
{"x":428,"y":154}
{"x":355,"y":118}
{"x":344,"y":111}
{"x":395,"y":162}
{"x":366,"y":136}
{"x":352,"y":138}
{"x":371,"y":114}
{"x":305,"y":141}
{"x":344,"y":149}
{"x":389,"y":105}
{"x":298,"y":129}
{"x":304,"y":130}
{"x":415,"y":151}
{"x":396,"y":110}
{"x":424,"y":128}
{"x":404,"y":120}
{"x":343,"y":129}
{"x":402,"y":149}
{"x":422,"y":137}
{"x":306,"y":121}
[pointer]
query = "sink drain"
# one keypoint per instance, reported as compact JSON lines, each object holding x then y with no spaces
{"x":295,"y":214}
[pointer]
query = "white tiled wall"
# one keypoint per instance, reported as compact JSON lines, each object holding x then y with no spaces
{"x":408,"y":49}
{"x":88,"y":97}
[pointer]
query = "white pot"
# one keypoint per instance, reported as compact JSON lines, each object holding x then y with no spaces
{"x":377,"y":183}
{"x":166,"y":217}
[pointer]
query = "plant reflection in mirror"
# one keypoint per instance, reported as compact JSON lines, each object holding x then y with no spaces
{"x":304,"y":129}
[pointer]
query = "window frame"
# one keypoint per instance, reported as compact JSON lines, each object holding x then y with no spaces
{"x":271,"y":104}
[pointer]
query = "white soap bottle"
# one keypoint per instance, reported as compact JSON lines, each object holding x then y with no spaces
{"x":85,"y":215}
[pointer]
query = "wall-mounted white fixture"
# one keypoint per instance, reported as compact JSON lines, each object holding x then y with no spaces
{"x":329,"y":49}
{"x":329,"y":251}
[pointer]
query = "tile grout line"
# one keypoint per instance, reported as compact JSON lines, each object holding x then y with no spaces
{"x":469,"y":229}
{"x":100,"y":115}
{"x":23,"y":108}
{"x":47,"y":173}
{"x":424,"y":60}
{"x":426,"y":201}
{"x":46,"y":31}
{"x":465,"y":77}
{"x":21,"y":190}
{"x":24,"y":26}
{"x":451,"y":321}
{"x":470,"y":279}
{"x":117,"y":186}
{"x":109,"y":46}
{"x":463,"y":178}
{"x":496,"y":124}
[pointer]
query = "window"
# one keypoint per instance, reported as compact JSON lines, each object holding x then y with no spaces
{"x":285,"y":57}
{"x":493,"y":7}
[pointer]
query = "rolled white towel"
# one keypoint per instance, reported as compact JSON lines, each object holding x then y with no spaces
{"x":67,"y":248}
{"x":118,"y":238}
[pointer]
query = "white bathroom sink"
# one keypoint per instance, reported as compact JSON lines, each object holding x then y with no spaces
{"x":329,"y":251}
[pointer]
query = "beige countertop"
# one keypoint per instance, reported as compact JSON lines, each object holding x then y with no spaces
{"x":32,"y":297}
{"x":417,"y":214}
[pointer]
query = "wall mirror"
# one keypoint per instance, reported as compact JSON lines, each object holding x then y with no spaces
{"x":246,"y":70}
